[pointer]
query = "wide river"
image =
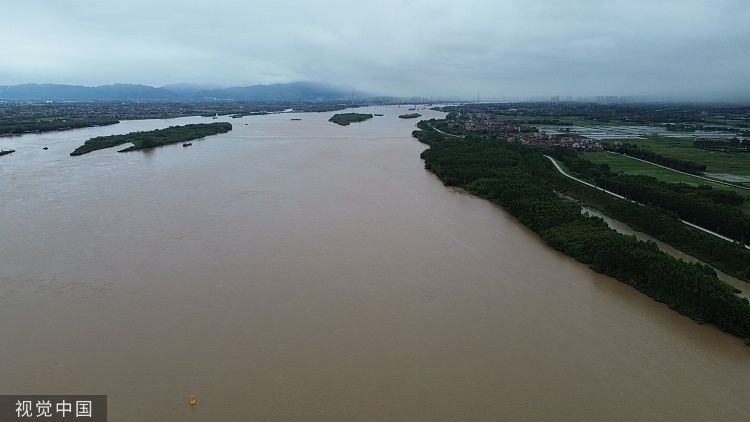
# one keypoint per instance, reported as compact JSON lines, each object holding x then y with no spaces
{"x":301,"y":270}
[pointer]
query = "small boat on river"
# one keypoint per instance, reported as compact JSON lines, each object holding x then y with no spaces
{"x":187,"y":144}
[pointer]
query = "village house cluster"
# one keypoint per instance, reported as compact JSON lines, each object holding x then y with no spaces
{"x":559,"y":139}
{"x":482,"y":121}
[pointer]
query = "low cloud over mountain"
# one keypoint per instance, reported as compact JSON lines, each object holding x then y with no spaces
{"x":296,"y":91}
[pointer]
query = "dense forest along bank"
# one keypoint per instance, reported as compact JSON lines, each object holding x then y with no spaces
{"x":623,"y":228}
{"x":522,"y":180}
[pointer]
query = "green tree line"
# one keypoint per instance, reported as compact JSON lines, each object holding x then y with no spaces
{"x":665,"y":226}
{"x":728,"y":144}
{"x":651,"y":156}
{"x":52,"y":125}
{"x":520,"y":179}
{"x":714,"y":209}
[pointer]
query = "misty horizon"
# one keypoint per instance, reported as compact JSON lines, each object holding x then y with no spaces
{"x":510,"y":49}
{"x":185,"y":91}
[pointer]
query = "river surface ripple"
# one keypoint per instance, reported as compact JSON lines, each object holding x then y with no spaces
{"x":301,"y":270}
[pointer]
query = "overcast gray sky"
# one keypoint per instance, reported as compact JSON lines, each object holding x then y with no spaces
{"x":499,"y":48}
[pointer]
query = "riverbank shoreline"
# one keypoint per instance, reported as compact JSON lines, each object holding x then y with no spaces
{"x":512,"y":176}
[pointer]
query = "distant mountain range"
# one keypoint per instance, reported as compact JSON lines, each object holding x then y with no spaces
{"x":53,"y":92}
{"x":295,"y":91}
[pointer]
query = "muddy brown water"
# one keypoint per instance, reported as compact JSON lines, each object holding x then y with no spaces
{"x":300,"y":270}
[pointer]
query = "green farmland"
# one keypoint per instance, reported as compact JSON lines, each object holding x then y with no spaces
{"x":682,"y":149}
{"x":551,"y":120}
{"x":630,"y":165}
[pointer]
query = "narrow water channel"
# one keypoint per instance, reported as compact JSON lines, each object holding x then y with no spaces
{"x":623,"y":228}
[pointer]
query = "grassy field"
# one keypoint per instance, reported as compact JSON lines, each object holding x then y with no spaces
{"x":680,"y":148}
{"x":630,"y":165}
{"x":573,"y":120}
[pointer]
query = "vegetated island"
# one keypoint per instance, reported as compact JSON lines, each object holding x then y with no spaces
{"x":154,"y":138}
{"x":50,"y":124}
{"x":520,"y":179}
{"x":410,"y":116}
{"x":344,"y":119}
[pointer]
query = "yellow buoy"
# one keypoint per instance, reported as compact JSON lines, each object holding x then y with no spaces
{"x":192,"y":400}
